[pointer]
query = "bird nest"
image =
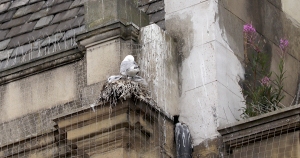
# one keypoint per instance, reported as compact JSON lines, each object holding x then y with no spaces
{"x":124,"y":89}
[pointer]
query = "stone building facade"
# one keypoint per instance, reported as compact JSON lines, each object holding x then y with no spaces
{"x":55,"y":56}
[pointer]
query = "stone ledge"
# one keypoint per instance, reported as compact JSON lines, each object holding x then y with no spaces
{"x":125,"y":125}
{"x":261,"y":119}
{"x":109,"y":32}
{"x":261,"y":127}
{"x":29,"y":144}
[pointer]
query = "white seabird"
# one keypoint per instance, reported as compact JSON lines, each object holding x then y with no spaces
{"x":139,"y":79}
{"x":129,"y":67}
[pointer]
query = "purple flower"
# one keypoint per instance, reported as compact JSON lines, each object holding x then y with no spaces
{"x":283,"y":44}
{"x":265,"y":81}
{"x":249,"y":31}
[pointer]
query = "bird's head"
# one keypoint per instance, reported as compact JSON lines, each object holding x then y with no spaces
{"x":129,"y":58}
{"x":110,"y":79}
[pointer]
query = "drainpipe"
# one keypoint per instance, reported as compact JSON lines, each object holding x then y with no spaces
{"x":183,"y":141}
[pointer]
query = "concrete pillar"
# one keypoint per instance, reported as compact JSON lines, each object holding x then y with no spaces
{"x":209,"y":70}
{"x":158,"y":58}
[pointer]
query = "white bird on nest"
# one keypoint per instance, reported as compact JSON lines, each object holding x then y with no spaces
{"x":139,"y":79}
{"x":129,"y":67}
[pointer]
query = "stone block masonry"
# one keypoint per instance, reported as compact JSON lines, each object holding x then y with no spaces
{"x":157,"y":57}
{"x":134,"y":128}
{"x":209,"y":71}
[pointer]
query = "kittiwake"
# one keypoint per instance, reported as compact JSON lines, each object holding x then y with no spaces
{"x":139,"y":79}
{"x":129,"y":67}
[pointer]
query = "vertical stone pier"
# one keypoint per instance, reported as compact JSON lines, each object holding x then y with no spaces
{"x":158,"y":60}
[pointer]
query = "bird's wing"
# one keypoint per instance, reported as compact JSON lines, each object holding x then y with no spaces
{"x":139,"y":79}
{"x":125,"y":65}
{"x":112,"y":79}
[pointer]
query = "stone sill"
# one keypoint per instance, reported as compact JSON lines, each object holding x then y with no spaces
{"x":260,"y":127}
{"x":261,"y":119}
{"x":130,"y":101}
{"x":122,"y":126}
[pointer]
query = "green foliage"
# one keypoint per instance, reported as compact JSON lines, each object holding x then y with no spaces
{"x":278,"y":83}
{"x":261,"y":94}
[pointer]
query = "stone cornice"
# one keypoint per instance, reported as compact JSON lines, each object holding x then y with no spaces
{"x":122,"y":125}
{"x":109,"y":32}
{"x":39,"y":65}
{"x":261,"y":127}
{"x":32,"y":143}
{"x":128,"y":104}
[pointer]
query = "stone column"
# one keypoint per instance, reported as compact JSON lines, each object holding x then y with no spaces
{"x":158,"y":59}
{"x":209,"y":70}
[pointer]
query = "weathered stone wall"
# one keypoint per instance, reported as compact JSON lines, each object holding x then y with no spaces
{"x":210,"y":41}
{"x":290,"y":8}
{"x":158,"y":60}
{"x":42,"y":91}
{"x":209,"y":69}
{"x":101,"y":56}
{"x":29,"y":104}
{"x":206,"y":93}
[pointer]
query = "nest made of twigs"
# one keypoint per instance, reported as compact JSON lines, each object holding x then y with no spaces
{"x":124,"y":89}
